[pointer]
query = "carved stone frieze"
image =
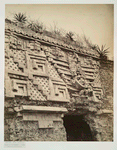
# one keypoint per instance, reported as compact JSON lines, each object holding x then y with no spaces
{"x":13,"y":41}
{"x":43,"y":78}
{"x":36,"y":60}
{"x":34,"y":47}
{"x":34,"y":92}
{"x":58,"y":91}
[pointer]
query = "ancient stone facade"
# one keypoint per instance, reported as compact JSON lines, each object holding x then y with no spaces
{"x":53,"y":91}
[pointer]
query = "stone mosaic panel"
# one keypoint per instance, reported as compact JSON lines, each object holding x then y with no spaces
{"x":9,"y":64}
{"x":52,"y":71}
{"x":20,"y":56}
{"x":32,"y":72}
{"x":44,"y":83}
{"x":34,"y":93}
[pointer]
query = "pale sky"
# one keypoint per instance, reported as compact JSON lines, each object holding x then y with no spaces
{"x":96,"y":21}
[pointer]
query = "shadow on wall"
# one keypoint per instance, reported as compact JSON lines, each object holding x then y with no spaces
{"x":77,"y":129}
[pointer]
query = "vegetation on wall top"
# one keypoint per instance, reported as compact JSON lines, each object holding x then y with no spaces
{"x":67,"y":37}
{"x":20,"y":17}
{"x":103,"y":52}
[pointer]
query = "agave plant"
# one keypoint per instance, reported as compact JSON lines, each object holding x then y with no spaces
{"x":103,"y":52}
{"x":36,"y":26}
{"x":20,"y":18}
{"x":70,"y":35}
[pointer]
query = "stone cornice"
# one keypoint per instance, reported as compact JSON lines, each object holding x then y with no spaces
{"x":27,"y":33}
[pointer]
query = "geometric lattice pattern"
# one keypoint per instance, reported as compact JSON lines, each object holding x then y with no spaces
{"x":34,"y":93}
{"x":20,"y":55}
{"x":44,"y":83}
{"x":9,"y":63}
{"x":52,"y":71}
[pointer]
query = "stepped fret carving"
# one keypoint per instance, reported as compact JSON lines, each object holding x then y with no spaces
{"x":58,"y":91}
{"x":40,"y":64}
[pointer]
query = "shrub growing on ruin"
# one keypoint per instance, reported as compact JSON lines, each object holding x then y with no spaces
{"x":20,"y":17}
{"x":36,"y":26}
{"x":70,"y":35}
{"x":67,"y":37}
{"x":89,"y":43}
{"x":103,"y":52}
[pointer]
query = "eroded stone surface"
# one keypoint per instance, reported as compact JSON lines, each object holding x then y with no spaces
{"x":40,"y":71}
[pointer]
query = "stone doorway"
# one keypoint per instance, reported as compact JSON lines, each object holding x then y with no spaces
{"x":77,"y":129}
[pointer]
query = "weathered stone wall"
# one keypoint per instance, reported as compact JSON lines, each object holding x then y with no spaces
{"x":25,"y":126}
{"x":102,"y":124}
{"x":107,"y":76}
{"x":18,"y":130}
{"x":46,"y":76}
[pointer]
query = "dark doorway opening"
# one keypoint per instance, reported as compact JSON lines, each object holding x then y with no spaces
{"x":77,"y":129}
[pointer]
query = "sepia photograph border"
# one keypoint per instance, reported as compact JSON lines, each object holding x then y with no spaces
{"x":54,"y":145}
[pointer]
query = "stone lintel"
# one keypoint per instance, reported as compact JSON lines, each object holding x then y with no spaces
{"x":104,"y":111}
{"x":43,"y":108}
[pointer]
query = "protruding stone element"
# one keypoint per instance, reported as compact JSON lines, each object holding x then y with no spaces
{"x":19,"y":87}
{"x":43,"y":109}
{"x":60,"y":93}
{"x":45,"y":79}
{"x":13,"y":42}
